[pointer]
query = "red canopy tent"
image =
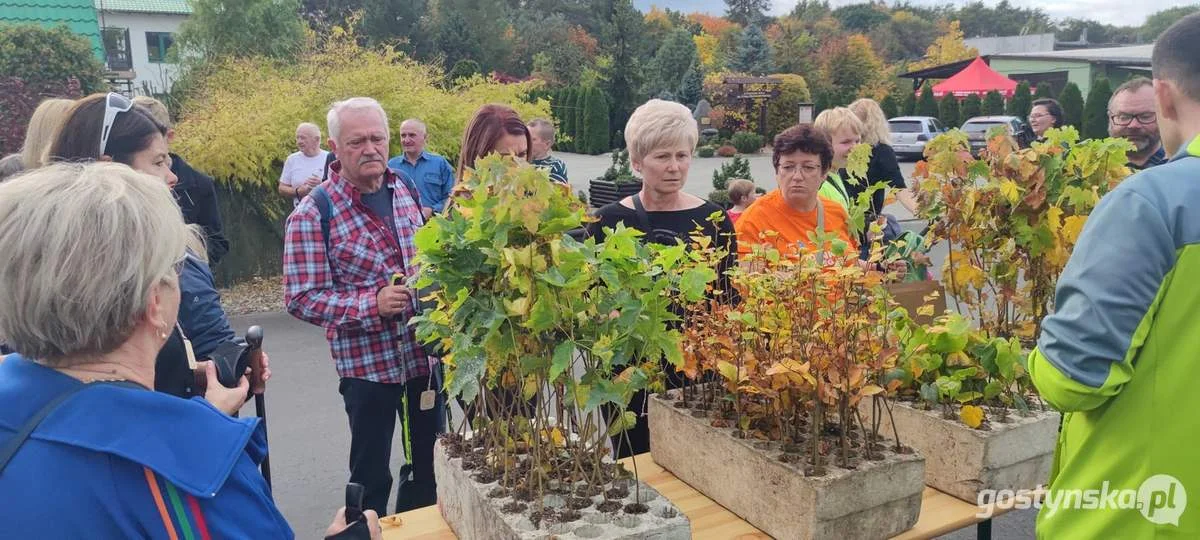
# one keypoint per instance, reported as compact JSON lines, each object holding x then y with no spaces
{"x":976,"y":78}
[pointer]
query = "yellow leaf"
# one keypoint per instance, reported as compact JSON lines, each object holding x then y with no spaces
{"x":727,"y":370}
{"x":871,"y":389}
{"x":1054,"y":219}
{"x":971,"y":415}
{"x":925,"y":310}
{"x":1071,"y":228}
{"x":1010,"y":190}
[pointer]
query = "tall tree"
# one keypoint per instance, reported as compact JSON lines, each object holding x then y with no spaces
{"x":926,"y":104}
{"x":1021,"y":101}
{"x":1157,"y":22}
{"x":888,"y":104}
{"x":1071,"y":100}
{"x":1043,"y":91}
{"x":792,"y":46}
{"x":242,"y":28}
{"x":1003,"y":19}
{"x":947,"y":48}
{"x":908,"y":106}
{"x":753,"y":53}
{"x":904,"y":37}
{"x":1095,"y":110}
{"x":948,"y":111}
{"x":993,"y":104}
{"x":672,"y":61}
{"x":623,"y":71}
{"x":861,"y":17}
{"x":38,"y":55}
{"x":746,"y":12}
{"x":691,"y":90}
{"x":972,"y":106}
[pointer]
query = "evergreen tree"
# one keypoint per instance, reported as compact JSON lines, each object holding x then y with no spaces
{"x":595,"y":128}
{"x":972,"y":106}
{"x":746,"y":12}
{"x":1095,"y":111}
{"x":1071,"y":100}
{"x":1021,"y":101}
{"x":1043,"y":91}
{"x":567,"y":120}
{"x":888,"y":104}
{"x":926,"y":104}
{"x":671,"y":63}
{"x":993,"y":104}
{"x":909,"y":106}
{"x":753,"y":54}
{"x":948,"y":111}
{"x":580,"y":134}
{"x":692,"y":89}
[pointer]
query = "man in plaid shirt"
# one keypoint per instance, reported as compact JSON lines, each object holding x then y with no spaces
{"x":342,"y":283}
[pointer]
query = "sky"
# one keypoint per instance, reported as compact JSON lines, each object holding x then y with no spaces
{"x":1118,"y":12}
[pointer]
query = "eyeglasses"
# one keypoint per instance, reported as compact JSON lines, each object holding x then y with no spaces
{"x":1033,"y":117}
{"x":1123,"y":119}
{"x":805,"y":169}
{"x":114,"y":104}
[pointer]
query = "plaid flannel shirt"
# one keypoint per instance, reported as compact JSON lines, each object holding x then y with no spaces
{"x":338,"y":290}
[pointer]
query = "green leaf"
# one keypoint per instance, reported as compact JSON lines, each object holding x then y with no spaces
{"x":967,"y":397}
{"x":992,"y":390}
{"x":627,"y":420}
{"x":541,"y":315}
{"x":929,"y":393}
{"x":562,"y":359}
{"x":1020,"y":403}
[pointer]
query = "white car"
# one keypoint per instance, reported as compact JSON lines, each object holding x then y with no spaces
{"x":910,"y":133}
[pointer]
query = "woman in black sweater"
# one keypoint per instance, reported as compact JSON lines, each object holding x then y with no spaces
{"x":661,"y":136}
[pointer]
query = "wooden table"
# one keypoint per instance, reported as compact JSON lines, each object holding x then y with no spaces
{"x":940,"y":514}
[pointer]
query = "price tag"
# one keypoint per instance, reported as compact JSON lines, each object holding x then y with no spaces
{"x":428,"y":398}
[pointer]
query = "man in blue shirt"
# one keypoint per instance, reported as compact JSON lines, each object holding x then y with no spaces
{"x":431,"y":172}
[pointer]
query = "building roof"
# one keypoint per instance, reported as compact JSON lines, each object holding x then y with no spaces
{"x":78,"y":15}
{"x":170,"y":7}
{"x":1133,"y":55}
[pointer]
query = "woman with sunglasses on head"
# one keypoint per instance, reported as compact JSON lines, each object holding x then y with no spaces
{"x":109,"y":127}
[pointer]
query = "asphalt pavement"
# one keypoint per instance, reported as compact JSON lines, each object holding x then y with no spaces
{"x":307,"y":430}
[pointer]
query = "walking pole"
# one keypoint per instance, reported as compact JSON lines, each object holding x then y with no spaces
{"x":254,"y":338}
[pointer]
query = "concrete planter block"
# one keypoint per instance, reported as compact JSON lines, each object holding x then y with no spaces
{"x":473,"y":515}
{"x":962,"y":461}
{"x":879,"y":499}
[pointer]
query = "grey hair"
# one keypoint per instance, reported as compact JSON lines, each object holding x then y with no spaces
{"x":77,"y":288}
{"x":309,"y":127}
{"x":11,"y":165}
{"x":424,"y":128}
{"x":658,"y":123}
{"x":543,"y":127}
{"x":333,"y":120}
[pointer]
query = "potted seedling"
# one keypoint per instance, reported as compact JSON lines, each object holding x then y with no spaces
{"x":545,"y":340}
{"x":776,"y":436}
{"x":1010,"y":219}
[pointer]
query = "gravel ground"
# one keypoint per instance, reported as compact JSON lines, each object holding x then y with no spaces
{"x":259,"y":295}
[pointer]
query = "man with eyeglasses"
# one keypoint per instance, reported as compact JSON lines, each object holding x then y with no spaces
{"x":1131,"y":116}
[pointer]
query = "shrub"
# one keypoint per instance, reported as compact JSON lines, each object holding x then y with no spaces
{"x":595,"y":127}
{"x":993,"y":104}
{"x":747,"y":143}
{"x":579,"y":104}
{"x":706,"y":151}
{"x":238,"y":130}
{"x":1021,"y":101}
{"x":948,"y":111}
{"x":739,"y":167}
{"x":889,"y":106}
{"x":463,"y":69}
{"x":1071,"y":100}
{"x":782,"y":110}
{"x":18,"y":99}
{"x":1095,"y":111}
{"x":566,"y":118}
{"x":927,"y":104}
{"x":972,"y":106}
{"x":727,"y":151}
{"x":40,"y":55}
{"x":720,"y":198}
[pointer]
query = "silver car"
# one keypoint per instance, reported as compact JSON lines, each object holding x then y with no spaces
{"x":910,"y":133}
{"x":978,"y":127}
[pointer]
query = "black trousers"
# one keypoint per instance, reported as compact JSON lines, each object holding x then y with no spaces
{"x":372,"y":409}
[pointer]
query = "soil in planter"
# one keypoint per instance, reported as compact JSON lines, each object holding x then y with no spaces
{"x":514,"y":507}
{"x":588,"y":491}
{"x":497,"y":493}
{"x":619,"y":492}
{"x":636,"y":508}
{"x":579,"y":503}
{"x":609,"y":507}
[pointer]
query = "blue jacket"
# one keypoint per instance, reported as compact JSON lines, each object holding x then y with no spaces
{"x":200,"y":312}
{"x":116,"y":462}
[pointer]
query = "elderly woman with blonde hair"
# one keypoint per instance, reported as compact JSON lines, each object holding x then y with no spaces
{"x":88,"y":301}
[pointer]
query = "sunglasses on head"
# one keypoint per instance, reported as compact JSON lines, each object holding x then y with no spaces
{"x":114,"y":104}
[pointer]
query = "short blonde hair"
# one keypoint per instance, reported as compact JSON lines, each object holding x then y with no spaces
{"x":658,"y":123}
{"x":875,"y":124}
{"x":43,"y":130}
{"x":543,"y":127}
{"x":832,"y":120}
{"x":76,"y":288}
{"x":740,"y":189}
{"x":156,"y":108}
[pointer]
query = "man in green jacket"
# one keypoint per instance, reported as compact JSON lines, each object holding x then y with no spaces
{"x":1121,"y":354}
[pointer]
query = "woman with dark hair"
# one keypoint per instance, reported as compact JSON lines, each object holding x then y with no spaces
{"x":110,"y":127}
{"x":1045,"y":114}
{"x":494,"y":128}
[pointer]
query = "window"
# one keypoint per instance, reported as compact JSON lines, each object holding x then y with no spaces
{"x":937,"y":125}
{"x":157,"y":44}
{"x":116,"y":49}
{"x":904,"y":126}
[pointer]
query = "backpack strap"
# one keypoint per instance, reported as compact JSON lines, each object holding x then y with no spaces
{"x":642,"y":216}
{"x":325,"y":207}
{"x":10,"y":449}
